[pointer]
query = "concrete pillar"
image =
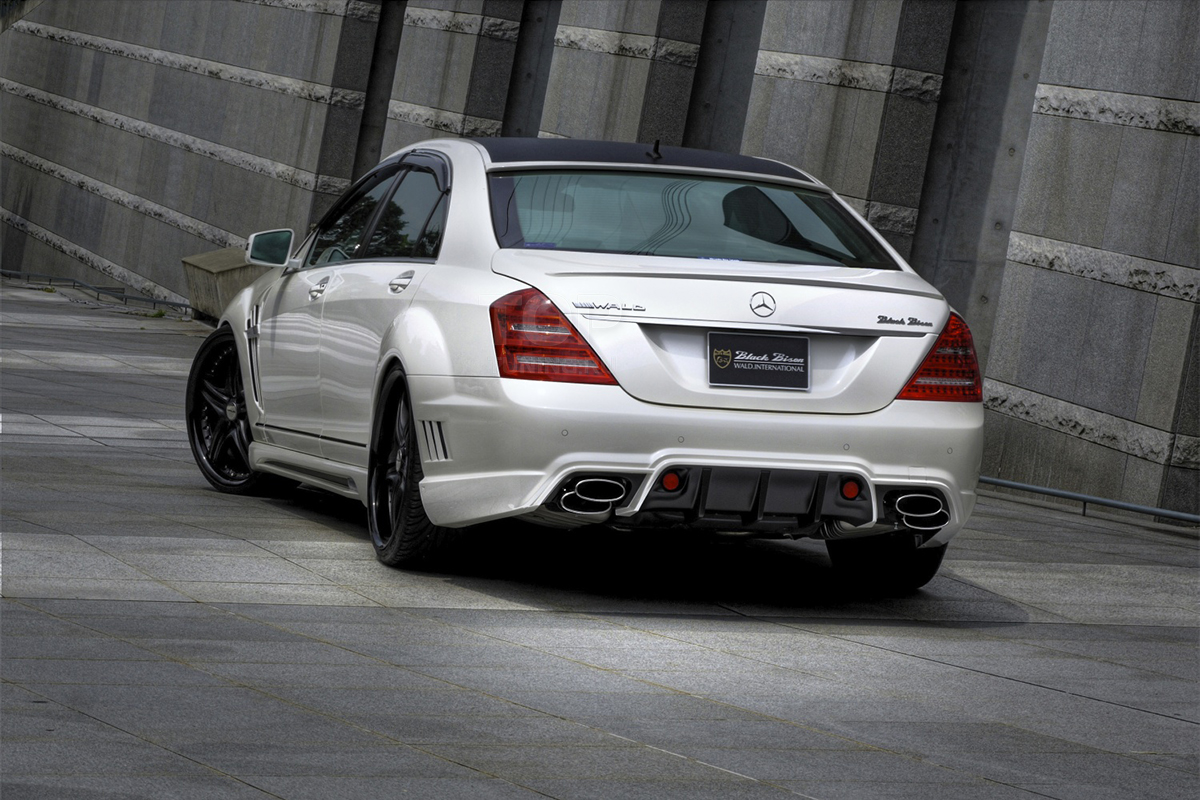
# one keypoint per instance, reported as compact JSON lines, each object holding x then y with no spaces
{"x":716,"y":114}
{"x":378,"y":95}
{"x":531,"y":68}
{"x":452,"y":76}
{"x":622,"y":69}
{"x":976,"y":155}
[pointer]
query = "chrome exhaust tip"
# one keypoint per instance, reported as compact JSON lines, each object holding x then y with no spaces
{"x":600,"y":490}
{"x":922,"y":512}
{"x":583,"y":507}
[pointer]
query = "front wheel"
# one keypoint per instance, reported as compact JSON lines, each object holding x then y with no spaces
{"x":889,"y":564}
{"x":217,"y":426}
{"x":402,"y":533}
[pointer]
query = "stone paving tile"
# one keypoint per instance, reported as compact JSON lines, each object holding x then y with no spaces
{"x":177,"y":787}
{"x":1052,"y":657}
{"x":959,"y":788}
{"x":716,"y":788}
{"x":355,"y":788}
{"x":90,"y":589}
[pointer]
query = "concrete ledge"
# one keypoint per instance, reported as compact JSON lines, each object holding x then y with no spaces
{"x":214,"y":278}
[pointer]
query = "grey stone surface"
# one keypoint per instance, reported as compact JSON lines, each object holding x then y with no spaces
{"x":595,"y":95}
{"x":1054,"y":655}
{"x":1183,"y":243}
{"x":905,"y":131}
{"x":1086,"y":34}
{"x":1067,"y":180}
{"x":829,"y":131}
{"x":1169,"y":365}
{"x":863,"y":31}
{"x":626,"y":16}
{"x":1145,"y":193}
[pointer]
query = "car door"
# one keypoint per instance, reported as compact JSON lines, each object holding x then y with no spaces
{"x":367,"y":295}
{"x":289,"y":354}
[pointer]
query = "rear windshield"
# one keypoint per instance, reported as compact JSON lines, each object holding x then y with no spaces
{"x":690,"y":216}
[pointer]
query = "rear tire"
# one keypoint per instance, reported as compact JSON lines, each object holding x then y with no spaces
{"x":401,"y":531}
{"x":889,"y":564}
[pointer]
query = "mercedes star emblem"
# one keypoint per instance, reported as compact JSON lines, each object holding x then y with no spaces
{"x":762,"y":304}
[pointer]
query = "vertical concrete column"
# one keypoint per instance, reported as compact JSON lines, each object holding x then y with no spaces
{"x":622,"y":69}
{"x":848,"y":89}
{"x":716,"y":114}
{"x":531,"y":68}
{"x":351,"y":73}
{"x":378,"y":92}
{"x":1093,"y":353}
{"x":665,"y":104}
{"x":452,"y":75}
{"x":976,"y":156}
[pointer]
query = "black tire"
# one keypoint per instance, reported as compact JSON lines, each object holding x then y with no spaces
{"x":402,"y":533}
{"x":891,"y":564}
{"x":217,"y":426}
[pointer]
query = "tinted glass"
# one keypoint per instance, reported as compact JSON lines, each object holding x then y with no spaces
{"x":688,"y":216}
{"x":431,"y":239}
{"x":339,"y":240}
{"x":403,"y":218}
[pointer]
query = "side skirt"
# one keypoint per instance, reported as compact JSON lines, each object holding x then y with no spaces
{"x":343,"y":479}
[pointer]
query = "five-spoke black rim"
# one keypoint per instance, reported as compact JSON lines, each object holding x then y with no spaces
{"x":219,"y":426}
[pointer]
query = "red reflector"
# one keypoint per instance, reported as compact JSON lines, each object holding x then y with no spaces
{"x":670,"y":481}
{"x":851,"y":489}
{"x":534,"y":341}
{"x":950,"y":371}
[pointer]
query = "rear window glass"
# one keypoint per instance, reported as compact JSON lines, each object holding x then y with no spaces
{"x":686,"y":216}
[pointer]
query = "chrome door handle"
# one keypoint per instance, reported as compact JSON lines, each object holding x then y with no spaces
{"x":401,"y":282}
{"x":318,"y":290}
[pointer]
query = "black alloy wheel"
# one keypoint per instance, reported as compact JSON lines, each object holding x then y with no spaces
{"x":402,"y":533}
{"x":217,"y":425}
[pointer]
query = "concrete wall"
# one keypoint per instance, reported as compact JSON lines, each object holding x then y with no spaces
{"x":452,"y":75}
{"x":1092,"y":380}
{"x":134,"y":132}
{"x":849,"y":91}
{"x":1038,"y":160}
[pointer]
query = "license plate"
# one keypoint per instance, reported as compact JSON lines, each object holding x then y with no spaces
{"x":758,"y":361}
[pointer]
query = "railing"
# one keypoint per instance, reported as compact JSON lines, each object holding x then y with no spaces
{"x":120,"y":294}
{"x":1087,"y":498}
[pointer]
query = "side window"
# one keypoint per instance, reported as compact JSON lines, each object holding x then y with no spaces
{"x":398,"y":234}
{"x":340,"y":239}
{"x":431,"y":239}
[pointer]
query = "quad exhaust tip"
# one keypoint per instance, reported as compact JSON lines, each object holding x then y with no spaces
{"x":922,"y":512}
{"x":592,"y":497}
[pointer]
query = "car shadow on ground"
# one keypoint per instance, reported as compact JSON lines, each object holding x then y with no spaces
{"x":595,"y":566}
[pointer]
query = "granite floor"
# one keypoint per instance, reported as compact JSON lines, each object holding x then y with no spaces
{"x":158,"y":639}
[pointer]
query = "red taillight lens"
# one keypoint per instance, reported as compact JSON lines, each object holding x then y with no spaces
{"x":535,"y":341}
{"x":950,"y":371}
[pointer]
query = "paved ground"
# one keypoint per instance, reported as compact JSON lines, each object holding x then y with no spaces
{"x":162,"y":640}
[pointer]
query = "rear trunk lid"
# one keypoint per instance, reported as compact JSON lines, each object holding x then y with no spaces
{"x":742,"y":335}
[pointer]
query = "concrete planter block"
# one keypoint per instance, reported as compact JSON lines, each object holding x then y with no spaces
{"x":214,"y":278}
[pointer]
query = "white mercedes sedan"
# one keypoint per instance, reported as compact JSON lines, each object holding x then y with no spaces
{"x":574,"y":333}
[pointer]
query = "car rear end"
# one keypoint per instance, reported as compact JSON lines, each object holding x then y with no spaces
{"x":708,"y":348}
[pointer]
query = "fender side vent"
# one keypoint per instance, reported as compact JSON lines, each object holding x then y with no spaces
{"x":435,"y":440}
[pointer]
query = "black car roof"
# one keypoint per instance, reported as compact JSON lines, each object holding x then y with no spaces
{"x":506,"y":150}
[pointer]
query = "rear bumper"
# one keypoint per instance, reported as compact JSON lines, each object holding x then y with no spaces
{"x":499,"y":448}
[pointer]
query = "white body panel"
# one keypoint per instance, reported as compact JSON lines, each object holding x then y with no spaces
{"x":494,"y":447}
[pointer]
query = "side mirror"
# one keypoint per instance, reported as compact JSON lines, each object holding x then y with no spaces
{"x":269,"y":248}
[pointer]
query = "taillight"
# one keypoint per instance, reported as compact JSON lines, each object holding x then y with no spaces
{"x":535,"y":341}
{"x":950,"y":371}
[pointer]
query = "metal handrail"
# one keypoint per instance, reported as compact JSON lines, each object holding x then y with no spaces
{"x":77,"y":284}
{"x":1087,"y":498}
